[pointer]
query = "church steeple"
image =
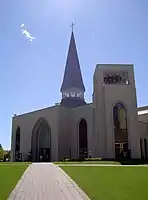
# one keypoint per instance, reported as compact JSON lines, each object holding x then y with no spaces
{"x":72,"y":75}
{"x":72,"y":87}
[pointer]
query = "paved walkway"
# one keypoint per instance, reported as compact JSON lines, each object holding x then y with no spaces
{"x":46,"y":182}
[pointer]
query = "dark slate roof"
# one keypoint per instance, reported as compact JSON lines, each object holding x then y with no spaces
{"x":72,"y":75}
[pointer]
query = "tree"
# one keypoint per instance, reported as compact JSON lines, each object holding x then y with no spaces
{"x":1,"y":153}
{"x":7,"y":155}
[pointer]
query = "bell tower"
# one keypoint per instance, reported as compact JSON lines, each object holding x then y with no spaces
{"x":72,"y":88}
{"x":115,"y":105}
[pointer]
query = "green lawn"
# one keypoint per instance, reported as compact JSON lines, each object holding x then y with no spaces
{"x":88,"y":162}
{"x":9,"y":176}
{"x":111,"y":183}
{"x":15,"y":163}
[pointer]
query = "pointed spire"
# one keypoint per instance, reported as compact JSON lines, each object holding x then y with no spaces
{"x":72,"y":75}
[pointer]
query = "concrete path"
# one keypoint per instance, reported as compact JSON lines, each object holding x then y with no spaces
{"x":46,"y":182}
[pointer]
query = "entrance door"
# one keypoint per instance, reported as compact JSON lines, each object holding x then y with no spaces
{"x":121,"y":150}
{"x":44,"y":155}
{"x":120,"y":132}
{"x":41,"y":141}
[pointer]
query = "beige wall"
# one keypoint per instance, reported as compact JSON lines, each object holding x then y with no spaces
{"x":26,"y":123}
{"x":64,"y":133}
{"x":69,"y":130}
{"x":143,"y":131}
{"x":105,"y":97}
{"x":64,"y":130}
{"x":84,"y":112}
{"x":143,"y":118}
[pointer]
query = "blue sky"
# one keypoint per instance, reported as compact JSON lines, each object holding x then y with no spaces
{"x":106,"y":31}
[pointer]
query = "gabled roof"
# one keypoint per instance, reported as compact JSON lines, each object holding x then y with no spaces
{"x":72,"y":74}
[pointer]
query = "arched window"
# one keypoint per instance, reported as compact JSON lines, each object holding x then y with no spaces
{"x":83,"y":151}
{"x":17,"y":144}
{"x":17,"y":140}
{"x":120,"y":116}
{"x":120,"y":130}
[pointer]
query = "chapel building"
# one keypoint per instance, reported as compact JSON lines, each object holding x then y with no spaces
{"x":110,"y":127}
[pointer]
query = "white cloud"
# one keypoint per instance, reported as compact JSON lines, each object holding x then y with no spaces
{"x":26,"y":33}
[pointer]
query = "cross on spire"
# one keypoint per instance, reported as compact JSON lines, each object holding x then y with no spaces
{"x":72,"y":25}
{"x":72,"y":75}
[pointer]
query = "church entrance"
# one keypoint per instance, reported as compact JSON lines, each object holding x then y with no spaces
{"x":41,"y":142}
{"x":83,"y":150}
{"x":121,"y":150}
{"x":120,"y":132}
{"x":44,"y":155}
